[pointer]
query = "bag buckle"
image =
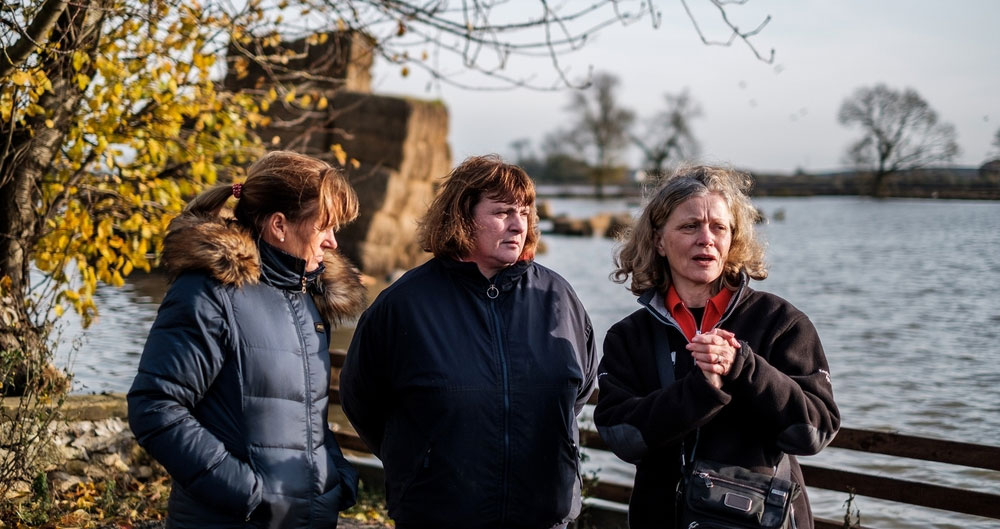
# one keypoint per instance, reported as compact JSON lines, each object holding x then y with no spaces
{"x":738,"y":502}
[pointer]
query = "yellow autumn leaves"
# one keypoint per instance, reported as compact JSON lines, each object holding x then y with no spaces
{"x":152,"y":129}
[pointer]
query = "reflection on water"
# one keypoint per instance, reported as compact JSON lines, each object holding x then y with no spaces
{"x":898,"y":290}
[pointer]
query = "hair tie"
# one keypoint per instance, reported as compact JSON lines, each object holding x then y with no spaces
{"x":237,"y":190}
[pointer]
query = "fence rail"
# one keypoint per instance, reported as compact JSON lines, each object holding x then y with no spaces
{"x":915,"y":493}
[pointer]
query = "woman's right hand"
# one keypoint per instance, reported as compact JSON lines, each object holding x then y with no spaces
{"x":714,"y":353}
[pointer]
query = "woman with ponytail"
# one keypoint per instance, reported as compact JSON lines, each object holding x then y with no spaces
{"x":232,"y":390}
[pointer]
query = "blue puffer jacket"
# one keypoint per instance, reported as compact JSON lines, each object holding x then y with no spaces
{"x":468,"y":391}
{"x":231,"y":393}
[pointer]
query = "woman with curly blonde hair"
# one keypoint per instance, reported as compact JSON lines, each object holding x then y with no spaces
{"x":708,"y":367}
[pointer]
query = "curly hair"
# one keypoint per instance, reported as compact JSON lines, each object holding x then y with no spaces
{"x":448,"y":228}
{"x":638,"y":256}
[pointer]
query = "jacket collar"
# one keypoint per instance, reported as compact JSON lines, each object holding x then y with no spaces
{"x":654,"y":301}
{"x":233,"y":256}
{"x":468,"y":272}
{"x":285,"y":271}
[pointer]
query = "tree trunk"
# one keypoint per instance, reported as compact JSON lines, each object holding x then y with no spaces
{"x":28,"y":157}
{"x":878,"y":184}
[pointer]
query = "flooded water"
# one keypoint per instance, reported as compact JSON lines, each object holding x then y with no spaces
{"x":899,"y":290}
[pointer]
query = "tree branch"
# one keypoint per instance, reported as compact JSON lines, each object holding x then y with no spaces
{"x":12,"y":56}
{"x":736,"y":33}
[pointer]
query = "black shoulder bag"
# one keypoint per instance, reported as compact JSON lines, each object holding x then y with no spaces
{"x":713,"y":495}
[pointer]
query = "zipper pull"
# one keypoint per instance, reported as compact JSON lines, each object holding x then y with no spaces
{"x":493,"y":292}
{"x":303,"y":284}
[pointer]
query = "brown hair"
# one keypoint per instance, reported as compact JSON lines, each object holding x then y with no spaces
{"x":638,"y":255}
{"x":296,"y":185}
{"x":448,"y":228}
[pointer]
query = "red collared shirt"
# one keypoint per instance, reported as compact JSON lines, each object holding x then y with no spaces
{"x":714,"y":309}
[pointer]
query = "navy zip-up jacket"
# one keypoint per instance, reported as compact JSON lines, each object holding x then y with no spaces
{"x":468,"y":389}
{"x":231,"y":395}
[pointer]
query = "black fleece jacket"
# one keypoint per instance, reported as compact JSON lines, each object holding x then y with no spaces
{"x":777,"y":397}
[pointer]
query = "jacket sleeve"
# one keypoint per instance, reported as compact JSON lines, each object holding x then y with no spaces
{"x":789,"y":381}
{"x":364,"y":383}
{"x":183,"y":354}
{"x":632,"y":420}
{"x":588,"y":364}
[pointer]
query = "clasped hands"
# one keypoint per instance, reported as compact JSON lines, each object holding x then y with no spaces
{"x":714,"y":353}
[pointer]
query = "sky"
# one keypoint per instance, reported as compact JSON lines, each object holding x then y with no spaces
{"x":778,"y":117}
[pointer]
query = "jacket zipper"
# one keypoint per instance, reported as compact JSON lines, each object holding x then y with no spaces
{"x":308,"y":378}
{"x":709,"y":478}
{"x":493,"y":293}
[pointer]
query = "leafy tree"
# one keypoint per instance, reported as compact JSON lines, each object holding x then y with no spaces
{"x":600,"y":128}
{"x":901,"y":133}
{"x":668,"y":134}
{"x":110,"y":118}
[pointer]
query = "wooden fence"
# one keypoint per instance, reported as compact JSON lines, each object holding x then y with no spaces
{"x":916,"y":493}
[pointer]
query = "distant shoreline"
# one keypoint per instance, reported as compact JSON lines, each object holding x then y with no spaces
{"x":939,"y":183}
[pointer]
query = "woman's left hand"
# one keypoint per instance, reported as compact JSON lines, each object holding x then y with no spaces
{"x":714,"y":353}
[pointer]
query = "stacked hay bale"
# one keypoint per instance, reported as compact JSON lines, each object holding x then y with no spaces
{"x":394,"y":148}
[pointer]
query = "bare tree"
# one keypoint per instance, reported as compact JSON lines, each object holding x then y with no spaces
{"x":668,"y":134}
{"x":901,"y":133}
{"x":996,"y":140}
{"x":600,"y":129}
{"x":485,"y":35}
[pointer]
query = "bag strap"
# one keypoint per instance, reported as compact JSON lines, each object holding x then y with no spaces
{"x":784,"y":468}
{"x":662,"y":353}
{"x":665,"y":371}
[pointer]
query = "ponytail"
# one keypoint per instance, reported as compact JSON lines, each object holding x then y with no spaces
{"x":210,"y":201}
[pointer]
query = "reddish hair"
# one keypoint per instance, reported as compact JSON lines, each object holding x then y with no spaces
{"x":448,"y":228}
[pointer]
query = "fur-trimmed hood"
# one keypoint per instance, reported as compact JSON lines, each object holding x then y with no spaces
{"x":231,"y":255}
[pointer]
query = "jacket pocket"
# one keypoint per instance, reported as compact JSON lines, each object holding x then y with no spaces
{"x":325,"y":508}
{"x":341,"y":473}
{"x":422,"y":471}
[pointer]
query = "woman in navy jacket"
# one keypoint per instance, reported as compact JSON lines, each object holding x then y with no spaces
{"x":231,"y":393}
{"x":465,"y":376}
{"x":750,"y":380}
